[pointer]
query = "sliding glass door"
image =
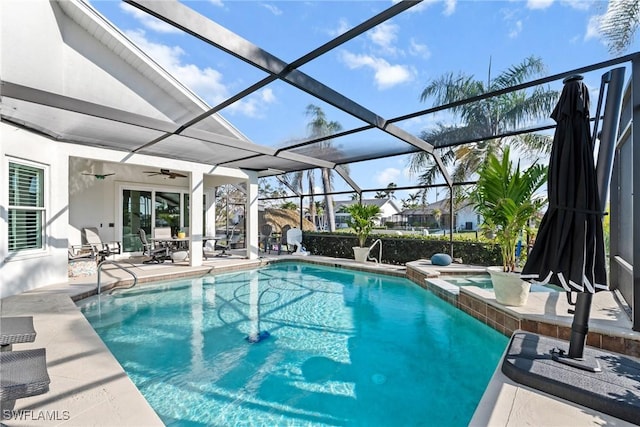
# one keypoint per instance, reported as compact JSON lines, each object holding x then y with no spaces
{"x":148,"y":208}
{"x":168,"y":210}
{"x":136,"y":215}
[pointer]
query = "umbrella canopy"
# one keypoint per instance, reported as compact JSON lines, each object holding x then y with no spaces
{"x":569,"y":247}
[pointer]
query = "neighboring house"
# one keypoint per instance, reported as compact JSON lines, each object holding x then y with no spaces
{"x":436,"y":215}
{"x":466,"y":218}
{"x":388,"y":209}
{"x":87,"y":141}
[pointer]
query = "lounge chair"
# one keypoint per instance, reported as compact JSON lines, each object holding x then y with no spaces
{"x":16,"y":330}
{"x":22,"y":374}
{"x":91,"y":237}
{"x":157,"y":253}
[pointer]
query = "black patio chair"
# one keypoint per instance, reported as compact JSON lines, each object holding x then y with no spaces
{"x":158,"y":254}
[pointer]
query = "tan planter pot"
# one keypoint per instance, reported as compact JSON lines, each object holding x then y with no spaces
{"x":509,"y":288}
{"x":360,"y":253}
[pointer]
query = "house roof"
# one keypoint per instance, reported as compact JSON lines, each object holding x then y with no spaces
{"x":442,"y":205}
{"x":378,"y":202}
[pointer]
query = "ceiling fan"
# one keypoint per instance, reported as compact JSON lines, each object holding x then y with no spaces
{"x":97,"y":175}
{"x":166,"y":172}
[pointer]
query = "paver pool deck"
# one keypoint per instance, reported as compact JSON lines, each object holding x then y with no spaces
{"x":90,"y":388}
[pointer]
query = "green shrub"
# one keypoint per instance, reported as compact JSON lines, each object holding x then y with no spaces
{"x":402,"y":249}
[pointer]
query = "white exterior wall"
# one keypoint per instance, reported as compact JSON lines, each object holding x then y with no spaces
{"x":467,"y":214}
{"x":21,"y":273}
{"x":387,"y":211}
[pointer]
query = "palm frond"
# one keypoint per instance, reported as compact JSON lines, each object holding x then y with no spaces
{"x":519,"y":73}
{"x":619,"y":24}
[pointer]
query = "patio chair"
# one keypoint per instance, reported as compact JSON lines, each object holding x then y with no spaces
{"x":265,"y":236}
{"x":226,"y":244}
{"x":81,"y":252}
{"x":284,"y":246}
{"x":22,"y":374}
{"x":158,"y":254}
{"x":294,"y":238}
{"x":91,"y":237}
{"x":162,"y":238}
{"x":209,"y":248}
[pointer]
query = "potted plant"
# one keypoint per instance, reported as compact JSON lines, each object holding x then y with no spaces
{"x":506,"y":198}
{"x":361,"y":221}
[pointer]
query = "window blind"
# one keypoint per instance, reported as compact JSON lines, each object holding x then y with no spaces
{"x":26,"y":207}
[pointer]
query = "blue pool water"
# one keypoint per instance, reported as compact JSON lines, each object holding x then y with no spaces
{"x":344,"y":348}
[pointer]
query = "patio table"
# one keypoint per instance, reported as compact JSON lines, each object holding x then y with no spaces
{"x":14,"y":330}
{"x":179,"y":242}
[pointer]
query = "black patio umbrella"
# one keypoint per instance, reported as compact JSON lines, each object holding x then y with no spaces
{"x":569,"y":247}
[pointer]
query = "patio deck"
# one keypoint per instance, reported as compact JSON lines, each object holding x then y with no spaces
{"x":89,"y":387}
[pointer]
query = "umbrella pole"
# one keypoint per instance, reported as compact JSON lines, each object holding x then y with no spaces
{"x":580,"y":325}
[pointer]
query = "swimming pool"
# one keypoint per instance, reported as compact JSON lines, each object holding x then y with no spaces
{"x":344,"y":348}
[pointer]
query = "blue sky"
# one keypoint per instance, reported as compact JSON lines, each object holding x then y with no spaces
{"x":385,"y":69}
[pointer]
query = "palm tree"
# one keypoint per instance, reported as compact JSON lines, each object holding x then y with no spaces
{"x":484,"y":119}
{"x":506,"y":198}
{"x":412,"y":201}
{"x":320,"y":126}
{"x":619,"y":24}
{"x":296,"y":180}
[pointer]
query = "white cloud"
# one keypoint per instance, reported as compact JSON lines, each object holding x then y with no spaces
{"x":384,"y":36}
{"x":148,"y":21}
{"x":592,"y":27}
{"x":254,"y":105}
{"x":343,"y":27}
{"x":273,"y":9}
{"x":217,"y":3}
{"x":539,"y":4}
{"x":387,"y":175}
{"x":386,"y":75}
{"x":516,"y":30}
{"x":449,"y":6}
{"x":206,"y":82}
{"x":577,"y":4}
{"x":419,"y":49}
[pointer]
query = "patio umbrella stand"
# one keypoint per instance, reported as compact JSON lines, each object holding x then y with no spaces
{"x":569,"y":251}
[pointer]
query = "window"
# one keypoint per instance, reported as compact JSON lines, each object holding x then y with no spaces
{"x":26,"y":207}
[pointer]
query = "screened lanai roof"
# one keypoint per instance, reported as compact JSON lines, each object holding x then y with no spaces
{"x":197,"y":132}
{"x":191,"y":135}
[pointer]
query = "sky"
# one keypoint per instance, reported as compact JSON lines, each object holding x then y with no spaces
{"x":384,"y":69}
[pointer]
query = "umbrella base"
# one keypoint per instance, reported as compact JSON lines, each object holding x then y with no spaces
{"x":585,"y":363}
{"x":529,"y":360}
